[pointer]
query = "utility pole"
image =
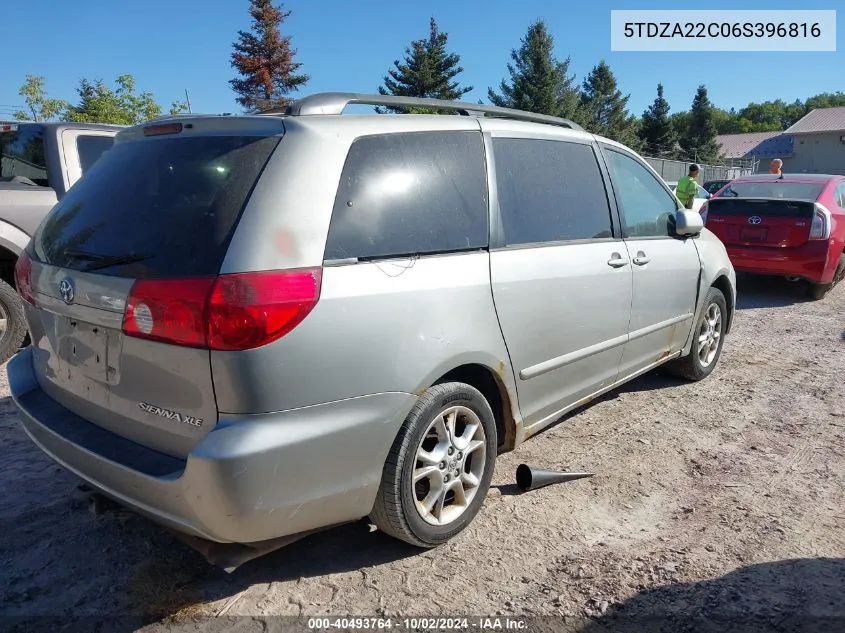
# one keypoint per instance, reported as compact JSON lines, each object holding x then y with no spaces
{"x":188,"y":100}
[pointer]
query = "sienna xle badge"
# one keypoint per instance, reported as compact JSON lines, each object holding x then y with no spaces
{"x":315,"y":318}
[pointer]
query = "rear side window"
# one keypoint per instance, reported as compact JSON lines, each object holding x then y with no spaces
{"x":90,"y":148}
{"x":22,"y":154}
{"x":165,"y":207}
{"x":549,"y":191}
{"x":410,"y":194}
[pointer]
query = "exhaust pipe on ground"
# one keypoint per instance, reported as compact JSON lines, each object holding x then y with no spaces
{"x":530,"y":478}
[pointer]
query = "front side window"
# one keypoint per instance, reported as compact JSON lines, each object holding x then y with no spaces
{"x":410,"y":194}
{"x":22,"y":154}
{"x":549,"y":191}
{"x":647,"y":209}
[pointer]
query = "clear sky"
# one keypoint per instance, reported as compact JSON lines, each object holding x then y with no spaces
{"x":173,"y":45}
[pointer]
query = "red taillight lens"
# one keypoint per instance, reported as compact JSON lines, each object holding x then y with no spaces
{"x":253,"y":309}
{"x":230,"y":312}
{"x":171,"y":311}
{"x":23,"y":278}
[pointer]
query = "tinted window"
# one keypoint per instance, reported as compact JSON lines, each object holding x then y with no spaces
{"x":550,"y":191}
{"x":90,"y":148}
{"x":404,"y":194}
{"x":22,"y":154}
{"x":712,"y":186}
{"x":774,"y":189}
{"x":156,"y":208}
{"x":647,"y":209}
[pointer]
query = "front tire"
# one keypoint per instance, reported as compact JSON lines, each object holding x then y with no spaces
{"x":439,"y":469}
{"x":707,"y":341}
{"x":13,"y":329}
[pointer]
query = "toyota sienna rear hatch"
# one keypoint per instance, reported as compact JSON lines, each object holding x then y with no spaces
{"x":769,"y":213}
{"x":121,"y":282}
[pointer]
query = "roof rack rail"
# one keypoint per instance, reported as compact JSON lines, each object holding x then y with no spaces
{"x":336,"y":102}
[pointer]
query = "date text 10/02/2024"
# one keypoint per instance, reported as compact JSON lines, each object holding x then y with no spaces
{"x":418,"y":624}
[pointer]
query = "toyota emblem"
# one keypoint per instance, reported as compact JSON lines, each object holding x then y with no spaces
{"x":66,"y":290}
{"x":755,"y":219}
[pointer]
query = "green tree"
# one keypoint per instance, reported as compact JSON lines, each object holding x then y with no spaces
{"x":39,"y":106}
{"x":99,"y":103}
{"x":264,"y":60}
{"x":539,"y":82}
{"x":428,"y":70}
{"x":699,"y":139}
{"x":656,"y":130}
{"x":604,"y":108}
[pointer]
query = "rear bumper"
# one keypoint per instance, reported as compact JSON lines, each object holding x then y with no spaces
{"x":251,"y":479}
{"x":809,"y":261}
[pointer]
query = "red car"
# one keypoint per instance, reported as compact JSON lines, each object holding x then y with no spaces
{"x":790,"y":225}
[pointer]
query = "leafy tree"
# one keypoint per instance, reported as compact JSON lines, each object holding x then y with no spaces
{"x":264,"y":60}
{"x":98,"y":103}
{"x":656,"y":131}
{"x":39,"y":106}
{"x":539,"y":82}
{"x":604,"y":108}
{"x":699,"y":139}
{"x":428,"y":70}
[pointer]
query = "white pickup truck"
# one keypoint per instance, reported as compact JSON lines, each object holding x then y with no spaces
{"x":39,"y":162}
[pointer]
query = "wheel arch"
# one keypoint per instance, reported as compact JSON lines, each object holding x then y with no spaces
{"x":493,"y":383}
{"x":723,"y":284}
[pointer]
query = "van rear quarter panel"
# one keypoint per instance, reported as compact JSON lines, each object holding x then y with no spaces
{"x":388,"y":326}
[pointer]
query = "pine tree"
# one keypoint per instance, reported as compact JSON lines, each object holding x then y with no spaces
{"x":657,"y":132}
{"x":699,"y":141}
{"x":427,"y":71}
{"x":539,"y":82}
{"x":265,"y":60}
{"x":604,"y":108}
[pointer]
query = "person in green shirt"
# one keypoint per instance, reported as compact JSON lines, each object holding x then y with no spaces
{"x":687,"y":187}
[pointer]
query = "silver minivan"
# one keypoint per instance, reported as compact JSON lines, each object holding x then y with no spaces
{"x":250,"y":327}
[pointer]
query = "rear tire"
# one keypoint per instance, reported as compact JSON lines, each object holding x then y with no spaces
{"x":820,"y":291}
{"x":451,"y":430}
{"x":11,"y":312}
{"x":707,"y":341}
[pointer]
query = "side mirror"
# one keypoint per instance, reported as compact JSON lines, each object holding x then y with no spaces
{"x":688,"y":222}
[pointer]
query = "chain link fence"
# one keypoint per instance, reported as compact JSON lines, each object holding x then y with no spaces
{"x":674,"y":170}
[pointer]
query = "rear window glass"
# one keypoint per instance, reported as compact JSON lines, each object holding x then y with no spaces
{"x":22,"y":154}
{"x":90,"y":148}
{"x":410,"y":194}
{"x":774,"y":189}
{"x":155,"y":208}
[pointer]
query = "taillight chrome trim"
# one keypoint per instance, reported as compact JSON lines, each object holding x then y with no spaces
{"x":822,"y":213}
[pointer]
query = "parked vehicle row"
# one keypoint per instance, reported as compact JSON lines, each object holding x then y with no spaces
{"x":313,"y":318}
{"x":39,"y":163}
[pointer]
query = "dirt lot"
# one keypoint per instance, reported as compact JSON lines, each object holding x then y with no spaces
{"x":712,"y":503}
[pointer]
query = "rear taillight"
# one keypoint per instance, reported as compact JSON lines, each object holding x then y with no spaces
{"x":820,"y":228}
{"x":229,"y":312}
{"x":23,"y":278}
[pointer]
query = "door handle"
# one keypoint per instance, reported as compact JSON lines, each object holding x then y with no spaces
{"x":617,"y":261}
{"x":641,"y":259}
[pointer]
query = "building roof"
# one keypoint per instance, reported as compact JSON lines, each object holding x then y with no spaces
{"x":760,"y":144}
{"x":820,"y":120}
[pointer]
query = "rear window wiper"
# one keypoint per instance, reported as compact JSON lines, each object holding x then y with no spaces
{"x":105,"y":261}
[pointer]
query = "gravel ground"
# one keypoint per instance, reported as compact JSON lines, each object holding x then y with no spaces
{"x":717,"y":506}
